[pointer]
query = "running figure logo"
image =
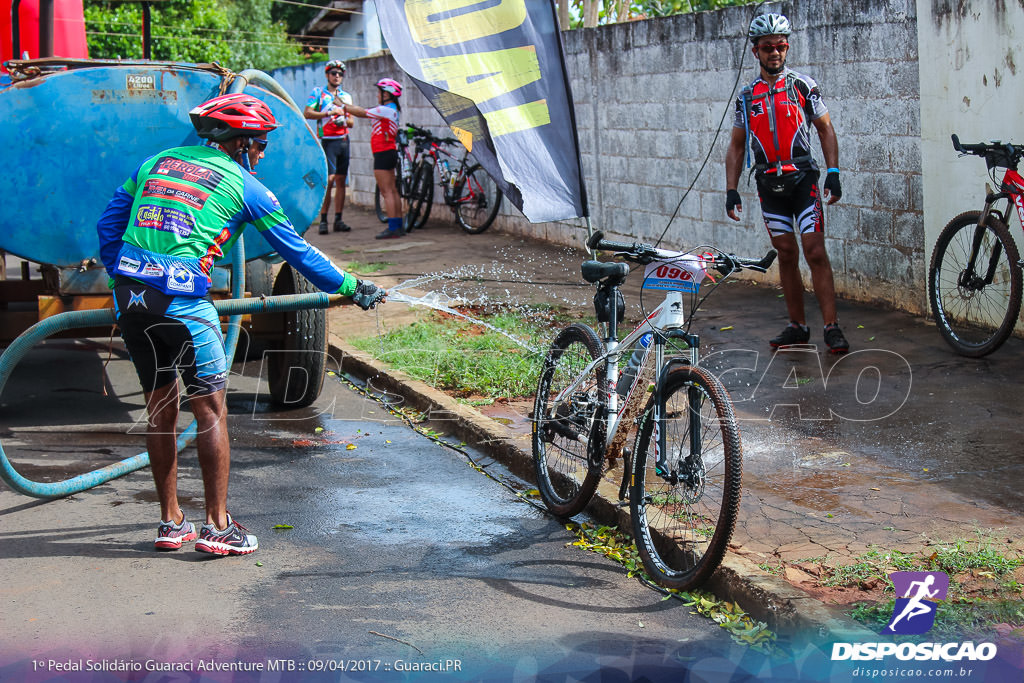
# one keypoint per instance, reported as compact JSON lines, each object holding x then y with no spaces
{"x":914,"y":613}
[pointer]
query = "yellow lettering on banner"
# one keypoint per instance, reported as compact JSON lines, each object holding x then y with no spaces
{"x":514,"y":119}
{"x":492,"y":73}
{"x":448,"y":22}
{"x":464,"y":136}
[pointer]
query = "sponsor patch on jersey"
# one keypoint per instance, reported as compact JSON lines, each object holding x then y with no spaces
{"x":128,"y":265}
{"x":183,"y":170}
{"x":153,"y":270}
{"x":273,"y":200}
{"x":166,"y":219}
{"x":181,"y":280}
{"x":158,"y":187}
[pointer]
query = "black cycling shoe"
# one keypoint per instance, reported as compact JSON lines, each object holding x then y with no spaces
{"x":835,"y":339}
{"x":323,"y":225}
{"x":793,"y":334}
{"x":340,"y":225}
{"x":389,"y":234}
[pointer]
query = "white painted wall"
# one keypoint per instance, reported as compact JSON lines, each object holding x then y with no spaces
{"x":972,"y":84}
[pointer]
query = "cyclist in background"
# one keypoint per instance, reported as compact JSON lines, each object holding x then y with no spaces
{"x":772,"y":113}
{"x":159,"y":236}
{"x":384,"y":145}
{"x":324,"y":107}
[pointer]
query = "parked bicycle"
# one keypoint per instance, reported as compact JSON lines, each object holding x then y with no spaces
{"x":974,"y":281}
{"x":682,"y":475}
{"x":407,"y":140}
{"x":468,"y":190}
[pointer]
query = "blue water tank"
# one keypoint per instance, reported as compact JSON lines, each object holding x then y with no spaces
{"x":70,"y":138}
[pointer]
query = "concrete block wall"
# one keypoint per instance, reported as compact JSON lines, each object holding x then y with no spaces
{"x":650,"y":97}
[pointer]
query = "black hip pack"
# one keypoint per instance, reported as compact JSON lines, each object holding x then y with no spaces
{"x":771,"y":185}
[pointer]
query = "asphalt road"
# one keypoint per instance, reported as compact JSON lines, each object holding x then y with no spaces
{"x":400,"y":555}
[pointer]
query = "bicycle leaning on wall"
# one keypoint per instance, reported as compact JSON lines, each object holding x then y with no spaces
{"x":974,"y":281}
{"x":468,"y":190}
{"x":682,"y":476}
{"x":409,"y":149}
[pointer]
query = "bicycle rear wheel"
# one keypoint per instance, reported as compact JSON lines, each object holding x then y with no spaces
{"x":421,"y":195}
{"x":684,"y":495}
{"x":478,"y":202}
{"x":975,"y":302}
{"x":567,"y":432}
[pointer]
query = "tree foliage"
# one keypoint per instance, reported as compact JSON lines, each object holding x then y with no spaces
{"x":238,"y":34}
{"x":600,"y":12}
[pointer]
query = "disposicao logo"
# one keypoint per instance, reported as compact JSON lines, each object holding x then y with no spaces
{"x":914,"y":614}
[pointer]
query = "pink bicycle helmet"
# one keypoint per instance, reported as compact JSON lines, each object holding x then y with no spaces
{"x":390,"y":86}
{"x":230,"y":116}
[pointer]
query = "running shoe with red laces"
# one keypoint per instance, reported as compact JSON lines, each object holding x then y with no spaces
{"x":170,"y":536}
{"x":230,"y":541}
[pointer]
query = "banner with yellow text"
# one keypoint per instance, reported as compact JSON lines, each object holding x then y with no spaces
{"x":494,"y":70}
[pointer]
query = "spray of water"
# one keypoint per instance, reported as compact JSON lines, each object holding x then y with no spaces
{"x":442,"y":302}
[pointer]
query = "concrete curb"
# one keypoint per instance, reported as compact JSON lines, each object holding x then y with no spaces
{"x":785,"y":608}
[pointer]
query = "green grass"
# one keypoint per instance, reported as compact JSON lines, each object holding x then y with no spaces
{"x":983,"y":590}
{"x":367,"y":268}
{"x":467,"y":359}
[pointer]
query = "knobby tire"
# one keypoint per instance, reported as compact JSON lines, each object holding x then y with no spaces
{"x":566,"y":477}
{"x":478,"y":202}
{"x":974,"y":317}
{"x":683,"y":516}
{"x":421,"y":195}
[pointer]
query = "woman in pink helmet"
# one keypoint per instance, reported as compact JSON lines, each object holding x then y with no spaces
{"x":385,"y":149}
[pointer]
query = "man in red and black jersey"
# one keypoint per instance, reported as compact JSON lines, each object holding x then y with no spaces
{"x":772,"y":116}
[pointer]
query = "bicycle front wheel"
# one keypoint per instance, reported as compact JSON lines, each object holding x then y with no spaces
{"x":478,"y":202}
{"x":685,"y":490}
{"x":421,"y":195}
{"x":568,"y":429}
{"x":974,"y":284}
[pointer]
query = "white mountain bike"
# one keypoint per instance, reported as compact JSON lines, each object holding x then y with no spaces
{"x":682,"y":476}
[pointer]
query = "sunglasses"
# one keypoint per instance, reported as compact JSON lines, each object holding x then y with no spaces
{"x":335,"y":73}
{"x":778,"y":47}
{"x":262,"y":144}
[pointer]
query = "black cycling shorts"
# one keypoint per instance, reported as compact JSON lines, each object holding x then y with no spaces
{"x":801,"y":209}
{"x":336,"y":151}
{"x":386,"y":160}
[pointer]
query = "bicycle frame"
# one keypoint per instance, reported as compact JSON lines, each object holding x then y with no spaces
{"x":1013,"y":191}
{"x":667,"y":321}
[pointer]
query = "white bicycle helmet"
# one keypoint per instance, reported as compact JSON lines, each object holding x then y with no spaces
{"x":769,"y":25}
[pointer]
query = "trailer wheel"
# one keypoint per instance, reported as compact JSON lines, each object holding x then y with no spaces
{"x":259,"y":277}
{"x":296,"y":364}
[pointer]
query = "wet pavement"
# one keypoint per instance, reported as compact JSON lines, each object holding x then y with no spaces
{"x":378,"y":549}
{"x":899,"y":444}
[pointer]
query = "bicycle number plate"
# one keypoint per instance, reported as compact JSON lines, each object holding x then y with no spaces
{"x":683,"y":273}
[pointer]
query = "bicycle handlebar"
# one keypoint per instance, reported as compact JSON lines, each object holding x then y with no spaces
{"x":645,"y":253}
{"x":996,"y":153}
{"x":424,"y":135}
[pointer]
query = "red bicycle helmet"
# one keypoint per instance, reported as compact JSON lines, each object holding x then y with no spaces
{"x":335,"y":64}
{"x":390,"y":86}
{"x":230,"y":116}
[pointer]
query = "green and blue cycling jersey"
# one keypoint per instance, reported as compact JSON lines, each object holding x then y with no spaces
{"x":183,"y":209}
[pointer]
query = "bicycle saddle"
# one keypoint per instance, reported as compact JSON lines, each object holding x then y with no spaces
{"x":594,"y":271}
